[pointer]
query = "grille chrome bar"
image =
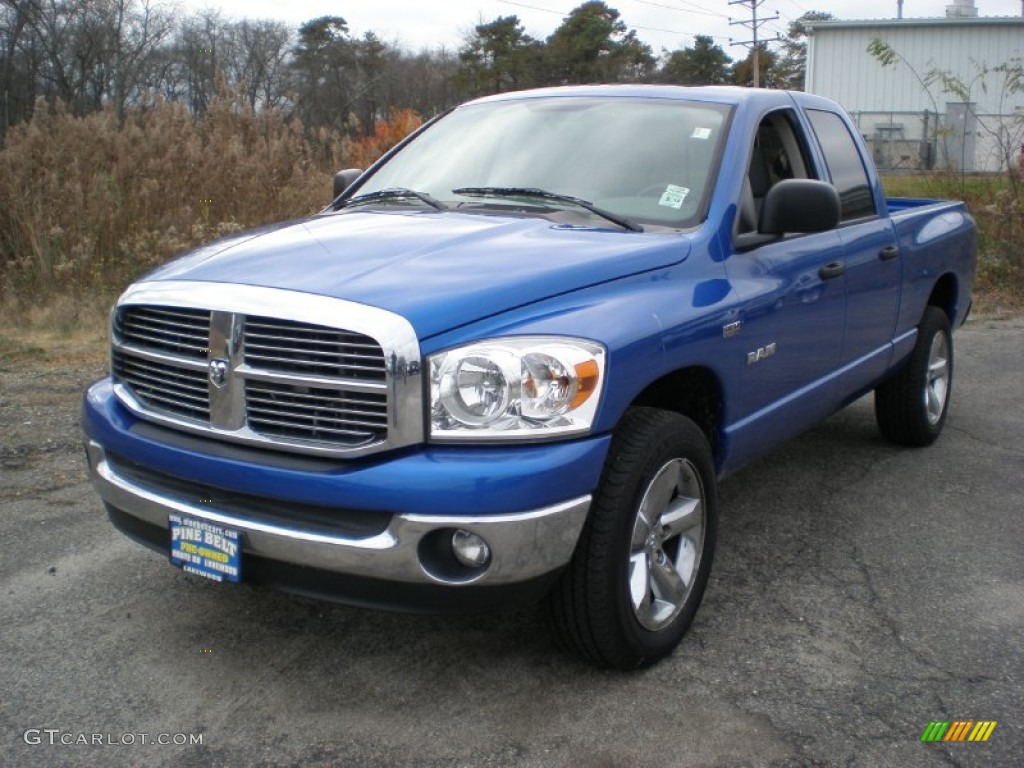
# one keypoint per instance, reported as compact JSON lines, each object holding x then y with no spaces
{"x":322,"y":382}
{"x":253,"y":337}
{"x":251,"y":354}
{"x":305,"y":348}
{"x":185,"y":389}
{"x":315,"y":413}
{"x":175,"y":390}
{"x":177,"y":331}
{"x":258,"y":365}
{"x":262,"y":404}
{"x":160,"y":357}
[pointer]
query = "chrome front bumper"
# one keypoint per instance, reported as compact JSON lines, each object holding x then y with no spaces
{"x":523,"y":546}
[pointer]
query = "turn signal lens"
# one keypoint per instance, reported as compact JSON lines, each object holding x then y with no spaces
{"x":588,"y":376}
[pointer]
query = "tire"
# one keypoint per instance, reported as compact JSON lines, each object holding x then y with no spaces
{"x":911,"y":407}
{"x":632,"y":588}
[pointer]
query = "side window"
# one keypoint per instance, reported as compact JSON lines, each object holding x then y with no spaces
{"x":778,"y":154}
{"x":844,"y":164}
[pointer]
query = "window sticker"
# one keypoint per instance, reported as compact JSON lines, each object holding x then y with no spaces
{"x":674,"y":196}
{"x":702,"y":133}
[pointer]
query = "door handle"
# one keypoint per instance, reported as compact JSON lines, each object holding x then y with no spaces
{"x":832,"y":270}
{"x":889,"y":253}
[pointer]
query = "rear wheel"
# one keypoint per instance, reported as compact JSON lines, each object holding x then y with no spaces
{"x":643,"y":559}
{"x":911,"y":407}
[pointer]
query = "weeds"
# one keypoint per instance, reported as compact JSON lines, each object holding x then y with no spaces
{"x":999,"y":214}
{"x":12,"y":351}
{"x":368,"y":147}
{"x":86,"y":204}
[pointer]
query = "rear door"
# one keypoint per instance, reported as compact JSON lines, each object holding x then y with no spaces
{"x":870,"y":253}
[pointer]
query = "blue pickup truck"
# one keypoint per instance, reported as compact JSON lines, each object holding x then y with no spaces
{"x":514,"y":357}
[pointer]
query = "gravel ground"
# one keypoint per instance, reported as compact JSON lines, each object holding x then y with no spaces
{"x":859,"y":592}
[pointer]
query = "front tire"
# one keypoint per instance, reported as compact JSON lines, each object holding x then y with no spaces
{"x":644,"y":556}
{"x":911,"y":407}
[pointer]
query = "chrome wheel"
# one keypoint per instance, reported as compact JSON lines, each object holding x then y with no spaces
{"x":912,"y":404}
{"x":936,"y":386}
{"x":668,"y":538}
{"x":644,"y":556}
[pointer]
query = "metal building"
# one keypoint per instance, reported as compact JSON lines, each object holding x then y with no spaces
{"x":908,"y":118}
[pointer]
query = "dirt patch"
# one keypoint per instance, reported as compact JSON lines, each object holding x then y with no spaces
{"x":42,"y":379}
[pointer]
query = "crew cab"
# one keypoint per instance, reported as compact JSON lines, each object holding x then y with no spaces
{"x":514,"y":358}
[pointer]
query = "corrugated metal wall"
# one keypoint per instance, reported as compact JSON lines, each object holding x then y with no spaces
{"x":839,"y":66}
{"x":889,"y":103}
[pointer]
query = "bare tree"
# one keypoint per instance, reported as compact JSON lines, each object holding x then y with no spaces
{"x":140,"y":31}
{"x":261,"y":53}
{"x":17,"y":92}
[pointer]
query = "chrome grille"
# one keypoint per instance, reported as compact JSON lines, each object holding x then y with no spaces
{"x":164,"y":386}
{"x":178,"y":331}
{"x":303,"y":348}
{"x":312,"y":413}
{"x":262,"y":368}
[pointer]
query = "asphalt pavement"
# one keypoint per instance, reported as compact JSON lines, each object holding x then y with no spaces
{"x":860,"y":592}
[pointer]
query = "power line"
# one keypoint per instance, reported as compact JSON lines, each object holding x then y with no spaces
{"x":782,"y":31}
{"x":631,"y":26}
{"x":696,"y":9}
{"x":797,"y":6}
{"x":533,"y":7}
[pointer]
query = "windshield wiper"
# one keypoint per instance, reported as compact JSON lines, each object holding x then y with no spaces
{"x":543,"y":194}
{"x":396,"y":193}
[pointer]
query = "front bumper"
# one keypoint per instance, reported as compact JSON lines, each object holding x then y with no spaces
{"x":523,"y":545}
{"x":419,"y":499}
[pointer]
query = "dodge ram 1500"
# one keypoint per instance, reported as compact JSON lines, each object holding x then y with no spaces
{"x":515,"y":356}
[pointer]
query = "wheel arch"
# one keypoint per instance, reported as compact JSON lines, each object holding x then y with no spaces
{"x":695,"y":392}
{"x":945,"y":295}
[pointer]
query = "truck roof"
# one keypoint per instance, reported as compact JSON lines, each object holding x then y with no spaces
{"x":720,"y":94}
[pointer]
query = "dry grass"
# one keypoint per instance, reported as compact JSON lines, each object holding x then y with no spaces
{"x":87,"y":205}
{"x":46,"y":348}
{"x":997,"y":204}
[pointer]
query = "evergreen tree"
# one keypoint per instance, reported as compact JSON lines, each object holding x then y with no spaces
{"x":593,"y":45}
{"x":768,"y":65}
{"x":498,"y":56}
{"x":793,"y":65}
{"x":703,"y":64}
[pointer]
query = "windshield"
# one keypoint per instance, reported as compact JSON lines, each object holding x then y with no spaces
{"x":646,"y":160}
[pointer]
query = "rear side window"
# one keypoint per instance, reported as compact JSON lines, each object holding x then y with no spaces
{"x":844,"y":165}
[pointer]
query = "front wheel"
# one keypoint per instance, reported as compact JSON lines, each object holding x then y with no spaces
{"x":643,"y":559}
{"x":911,"y":407}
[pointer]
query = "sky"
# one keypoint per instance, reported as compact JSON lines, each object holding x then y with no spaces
{"x":668,"y":24}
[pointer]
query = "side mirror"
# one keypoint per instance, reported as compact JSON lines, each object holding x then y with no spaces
{"x":343,"y":180}
{"x":799,"y":205}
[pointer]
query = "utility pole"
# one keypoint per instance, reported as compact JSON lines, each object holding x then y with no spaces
{"x":754,"y":24}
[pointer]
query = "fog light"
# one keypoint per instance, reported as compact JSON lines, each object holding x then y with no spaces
{"x":470,"y":550}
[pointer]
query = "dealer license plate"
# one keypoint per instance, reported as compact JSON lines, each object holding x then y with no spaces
{"x":205,"y":549}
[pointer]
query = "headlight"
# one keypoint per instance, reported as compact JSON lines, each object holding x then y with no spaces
{"x":515,"y":388}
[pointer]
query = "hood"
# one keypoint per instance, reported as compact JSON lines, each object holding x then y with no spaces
{"x":439,"y":270}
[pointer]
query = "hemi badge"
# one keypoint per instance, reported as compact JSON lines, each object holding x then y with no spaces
{"x":731,"y":329}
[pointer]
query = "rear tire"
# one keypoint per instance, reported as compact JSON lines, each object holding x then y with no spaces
{"x":644,"y":556}
{"x":911,"y":407}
